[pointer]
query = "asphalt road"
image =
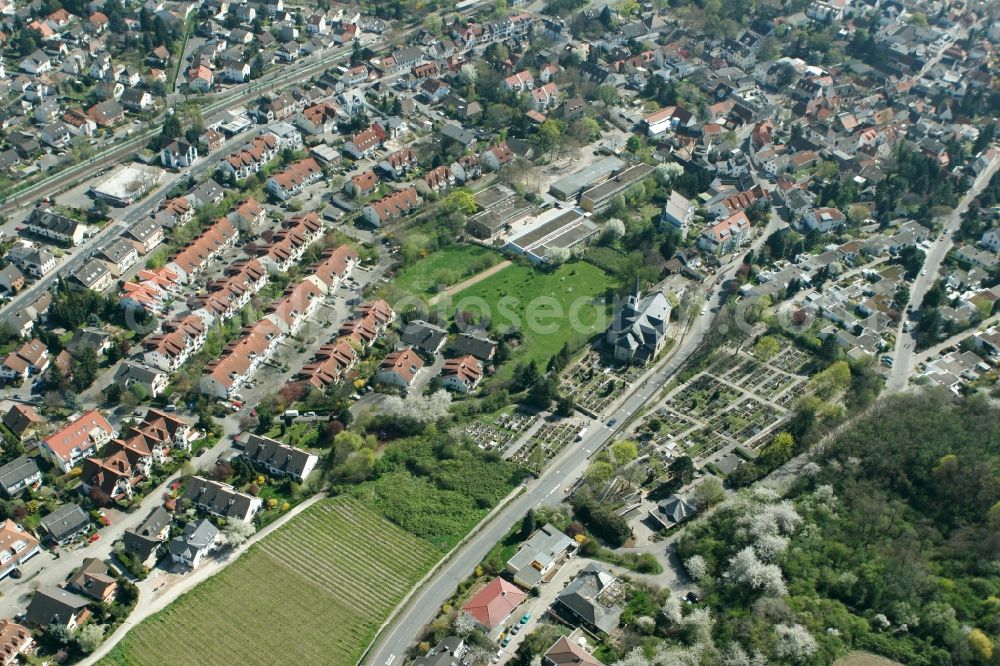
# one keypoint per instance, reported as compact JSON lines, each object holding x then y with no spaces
{"x":549,"y":489}
{"x":906,"y":343}
{"x":126,"y":217}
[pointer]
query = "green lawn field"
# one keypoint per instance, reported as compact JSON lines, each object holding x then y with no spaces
{"x":550,"y":308}
{"x":444,"y":267}
{"x":313,"y":592}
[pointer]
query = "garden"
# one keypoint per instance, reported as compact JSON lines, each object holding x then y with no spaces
{"x":446,"y":266}
{"x":592,"y":383}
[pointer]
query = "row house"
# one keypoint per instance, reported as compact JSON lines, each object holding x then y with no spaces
{"x":151,"y":290}
{"x":227,"y":296}
{"x":280,"y":459}
{"x":249,"y":217}
{"x":240,"y":359}
{"x":391,"y":207}
{"x":174,"y":212}
{"x":725,"y":206}
{"x":336,"y":266}
{"x":55,"y":227}
{"x":294,"y":178}
{"x":281,"y":107}
{"x":196,"y":255}
{"x":290,"y":243}
{"x":519,"y":82}
{"x":437,"y":180}
{"x":180,"y":338}
{"x":466,"y":168}
{"x":545,"y":96}
{"x":364,"y":143}
{"x":252,"y":157}
{"x":76,"y":441}
{"x":369,"y":320}
{"x":398,"y":164}
{"x":329,"y":365}
{"x":298,"y":304}
{"x":221,"y":499}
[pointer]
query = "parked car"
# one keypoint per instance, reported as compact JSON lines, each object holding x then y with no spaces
{"x":525,"y":618}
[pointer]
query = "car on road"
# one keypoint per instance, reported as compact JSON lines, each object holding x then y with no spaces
{"x":887,"y":360}
{"x":923,"y":272}
{"x":704,"y":309}
{"x":201,"y":451}
{"x":612,"y":422}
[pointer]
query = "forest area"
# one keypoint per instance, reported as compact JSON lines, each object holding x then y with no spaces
{"x":887,"y":543}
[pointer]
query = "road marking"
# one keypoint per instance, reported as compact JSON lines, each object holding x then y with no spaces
{"x":391,"y":659}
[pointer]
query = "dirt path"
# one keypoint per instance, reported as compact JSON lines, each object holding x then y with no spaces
{"x":465,"y":284}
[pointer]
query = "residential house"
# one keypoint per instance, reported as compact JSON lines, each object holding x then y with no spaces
{"x":193,"y":259}
{"x":180,"y":339}
{"x":726,"y":236}
{"x":33,"y":261}
{"x":449,"y":652}
{"x":280,"y":459}
{"x":493,"y":605}
{"x":726,"y":205}
{"x":421,"y":335}
{"x":18,"y":474}
{"x":36,"y":63}
{"x":200,"y":79}
{"x":178,"y":154}
{"x":473,"y":344}
{"x":77,"y":440}
{"x":15,"y":640}
{"x":11,"y":279}
{"x":539,"y":556}
{"x":436,"y":180}
{"x":17,"y":546}
{"x":362,"y":144}
{"x":23,"y":421}
{"x":565,"y":652}
{"x":400,"y":368}
{"x":823,"y":220}
{"x":55,"y":227}
{"x":153,"y":382}
{"x":144,"y":541}
{"x":120,"y":255}
{"x":196,"y":541}
{"x":136,"y":99}
{"x":65,"y":523}
{"x":329,"y":365}
{"x":545,"y":97}
{"x":496,"y":157}
{"x":317,"y":119}
{"x":107,"y":113}
{"x":221,"y":499}
{"x":31,"y":358}
{"x":362,"y":184}
{"x":591,"y":600}
{"x":94,"y":275}
{"x":92,"y":580}
{"x":462,"y":374}
{"x":290,"y":242}
{"x":145,"y":235}
{"x":639,"y":330}
{"x":678,"y":213}
{"x":55,"y":606}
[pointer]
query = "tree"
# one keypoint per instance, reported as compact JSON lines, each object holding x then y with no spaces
{"x":557,"y":255}
{"x":832,"y":380}
{"x":708,"y":493}
{"x":795,"y":643}
{"x":696,"y":567}
{"x":237,"y":532}
{"x":528,"y":524}
{"x":682,"y":468}
{"x":614,"y":229}
{"x":766,"y":348}
{"x":981,"y":644}
{"x":747,"y":570}
{"x":624,"y":451}
{"x":778,"y":451}
{"x":90,"y":637}
{"x":599,"y":472}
